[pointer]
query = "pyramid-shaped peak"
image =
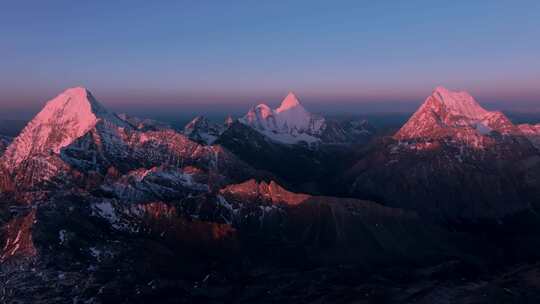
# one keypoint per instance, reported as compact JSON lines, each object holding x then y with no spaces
{"x":78,"y":99}
{"x":64,"y":118}
{"x":444,"y":112}
{"x":198,"y":121}
{"x":79,"y":93}
{"x":289,"y":123}
{"x":290,"y":101}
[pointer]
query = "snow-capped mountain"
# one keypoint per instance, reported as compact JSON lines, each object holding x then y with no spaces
{"x":201,"y":130}
{"x":453,"y":159}
{"x":75,"y":140}
{"x":63,"y":119}
{"x":289,"y":123}
{"x":449,"y":115}
{"x":33,"y":157}
{"x":270,"y":140}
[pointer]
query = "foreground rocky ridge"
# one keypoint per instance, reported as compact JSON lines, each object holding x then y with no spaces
{"x":250,"y":242}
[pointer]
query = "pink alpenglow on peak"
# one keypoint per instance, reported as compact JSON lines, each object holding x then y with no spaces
{"x":289,"y":102}
{"x":457,"y":115}
{"x":530,"y":128}
{"x":289,"y":123}
{"x":64,"y":118}
{"x":532,"y":132}
{"x":460,"y":103}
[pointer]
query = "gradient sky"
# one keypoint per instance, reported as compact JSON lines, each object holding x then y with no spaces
{"x":336,"y":55}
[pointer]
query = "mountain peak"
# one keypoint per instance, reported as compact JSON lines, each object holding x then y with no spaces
{"x":271,"y":192}
{"x":441,"y":90}
{"x":78,"y":99}
{"x":77,"y":91}
{"x":201,"y":130}
{"x":63,"y":119}
{"x":196,"y":123}
{"x":263,"y":106}
{"x":289,"y":102}
{"x":289,"y":123}
{"x":447,"y":113}
{"x":262,"y":110}
{"x":458,"y":103}
{"x":198,"y":118}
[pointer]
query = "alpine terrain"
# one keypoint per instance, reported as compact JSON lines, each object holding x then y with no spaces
{"x":280,"y":205}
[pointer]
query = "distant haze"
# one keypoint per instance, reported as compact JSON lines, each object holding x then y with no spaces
{"x":177,"y":59}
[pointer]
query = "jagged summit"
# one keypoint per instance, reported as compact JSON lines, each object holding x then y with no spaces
{"x":260,"y":117}
{"x":449,"y":114}
{"x":201,"y":130}
{"x":198,"y":124}
{"x":532,"y":132}
{"x":266,"y":191}
{"x":197,"y":121}
{"x":63,"y":119}
{"x":291,"y":114}
{"x":264,"y":110}
{"x":459,"y":103}
{"x":289,"y":123}
{"x":289,"y":102}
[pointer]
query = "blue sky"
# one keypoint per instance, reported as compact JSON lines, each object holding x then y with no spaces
{"x":331,"y":53}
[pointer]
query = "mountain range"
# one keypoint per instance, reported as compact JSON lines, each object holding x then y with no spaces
{"x":97,"y":207}
{"x":289,"y":124}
